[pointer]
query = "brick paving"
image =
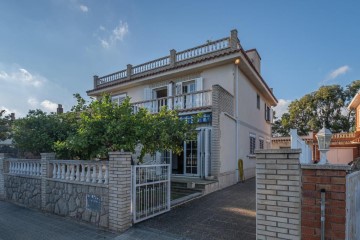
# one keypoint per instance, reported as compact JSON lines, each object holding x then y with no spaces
{"x":226,"y":214}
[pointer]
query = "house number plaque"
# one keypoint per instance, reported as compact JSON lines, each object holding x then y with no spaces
{"x":93,"y":202}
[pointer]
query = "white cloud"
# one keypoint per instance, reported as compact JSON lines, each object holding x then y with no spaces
{"x":339,"y":71}
{"x":84,"y":8}
{"x":282,"y":107}
{"x":33,"y":102}
{"x":22,"y":89}
{"x":49,"y":106}
{"x":22,"y":76}
{"x":116,"y":35}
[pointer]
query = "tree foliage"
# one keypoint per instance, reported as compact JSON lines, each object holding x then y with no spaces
{"x":104,"y":126}
{"x":5,"y":126}
{"x":325,"y":106}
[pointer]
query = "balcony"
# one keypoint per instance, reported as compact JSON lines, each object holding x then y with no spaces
{"x":184,"y":102}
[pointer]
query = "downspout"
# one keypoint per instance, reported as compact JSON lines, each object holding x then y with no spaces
{"x":237,"y":62}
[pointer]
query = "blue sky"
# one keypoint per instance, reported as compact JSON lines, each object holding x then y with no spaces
{"x":50,"y":49}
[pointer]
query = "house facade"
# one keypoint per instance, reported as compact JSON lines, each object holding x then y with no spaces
{"x":219,"y":79}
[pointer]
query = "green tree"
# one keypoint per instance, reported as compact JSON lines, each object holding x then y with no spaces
{"x":5,"y":126}
{"x":104,"y":126}
{"x":326,"y":106}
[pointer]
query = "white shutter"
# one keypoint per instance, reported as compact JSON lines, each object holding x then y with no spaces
{"x":147,"y":94}
{"x":170,"y":93}
{"x":199,"y":84}
{"x":178,"y":103}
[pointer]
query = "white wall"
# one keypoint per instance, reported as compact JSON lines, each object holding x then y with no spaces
{"x":227,"y":144}
{"x":340,"y":155}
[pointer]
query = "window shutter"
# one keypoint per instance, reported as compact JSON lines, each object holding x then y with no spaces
{"x":199,"y":84}
{"x":178,"y":88}
{"x":147,"y":94}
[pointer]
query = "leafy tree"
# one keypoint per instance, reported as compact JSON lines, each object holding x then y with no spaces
{"x":104,"y":126}
{"x":37,"y":132}
{"x":5,"y":126}
{"x":326,"y":106}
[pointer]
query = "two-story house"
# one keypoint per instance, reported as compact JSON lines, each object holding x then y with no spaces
{"x":219,"y":79}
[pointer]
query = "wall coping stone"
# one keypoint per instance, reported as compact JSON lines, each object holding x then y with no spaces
{"x":326,"y":166}
{"x":78,"y":183}
{"x":277,"y":151}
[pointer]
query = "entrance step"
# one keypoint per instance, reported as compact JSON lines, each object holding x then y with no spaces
{"x":184,"y":189}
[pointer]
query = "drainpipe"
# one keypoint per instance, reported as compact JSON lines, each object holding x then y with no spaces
{"x":322,"y":214}
{"x":237,"y":62}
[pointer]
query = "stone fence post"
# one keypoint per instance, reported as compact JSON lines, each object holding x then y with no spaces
{"x":2,"y":180}
{"x":45,"y":157}
{"x":120,"y":217}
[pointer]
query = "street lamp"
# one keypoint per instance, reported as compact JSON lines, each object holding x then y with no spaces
{"x":324,"y":139}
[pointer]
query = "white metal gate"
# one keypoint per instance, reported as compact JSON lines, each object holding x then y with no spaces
{"x":151,"y":190}
{"x":353,"y":206}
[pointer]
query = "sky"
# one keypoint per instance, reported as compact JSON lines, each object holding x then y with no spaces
{"x":50,"y":49}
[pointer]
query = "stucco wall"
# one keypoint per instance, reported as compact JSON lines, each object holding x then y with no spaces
{"x":227,"y":143}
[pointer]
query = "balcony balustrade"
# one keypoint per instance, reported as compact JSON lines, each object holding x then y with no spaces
{"x":186,"y":101}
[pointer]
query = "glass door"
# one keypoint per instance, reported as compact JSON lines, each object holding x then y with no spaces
{"x":191,"y":158}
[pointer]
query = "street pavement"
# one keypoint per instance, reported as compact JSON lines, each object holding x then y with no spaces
{"x":226,"y":214}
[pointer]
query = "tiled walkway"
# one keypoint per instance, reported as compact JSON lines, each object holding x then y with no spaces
{"x":18,"y":223}
{"x":226,"y":214}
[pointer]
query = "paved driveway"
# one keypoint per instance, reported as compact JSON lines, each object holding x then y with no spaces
{"x":226,"y":214}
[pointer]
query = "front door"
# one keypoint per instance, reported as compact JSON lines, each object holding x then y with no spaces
{"x":191,"y":158}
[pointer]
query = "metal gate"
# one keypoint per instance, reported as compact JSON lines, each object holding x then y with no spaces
{"x":353,"y":206}
{"x":150,"y":190}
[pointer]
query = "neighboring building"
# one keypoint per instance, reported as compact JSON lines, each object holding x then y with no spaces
{"x":344,"y":147}
{"x":219,"y":79}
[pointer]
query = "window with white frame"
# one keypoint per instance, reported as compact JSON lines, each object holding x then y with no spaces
{"x":261,"y":143}
{"x":118,"y":99}
{"x":252,"y":146}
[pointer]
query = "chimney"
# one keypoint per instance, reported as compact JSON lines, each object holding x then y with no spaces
{"x":59,"y":109}
{"x":12,"y":116}
{"x":255,"y":59}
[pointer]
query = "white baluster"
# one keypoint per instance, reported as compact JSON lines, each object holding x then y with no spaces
{"x":33,"y":169}
{"x":82,"y":176}
{"x":58,"y":175}
{"x":37,"y":169}
{"x":17,"y":167}
{"x":72,"y":174}
{"x":22,"y":168}
{"x":77,"y":172}
{"x":100,"y":175}
{"x":87,"y":173}
{"x":106,"y":177}
{"x":54,"y":170}
{"x":93,"y":176}
{"x":63,"y":171}
{"x":67,"y":174}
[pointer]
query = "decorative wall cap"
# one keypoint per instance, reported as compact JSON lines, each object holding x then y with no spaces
{"x":326,"y":166}
{"x":277,"y":151}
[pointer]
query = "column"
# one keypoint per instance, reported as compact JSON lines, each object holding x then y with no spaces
{"x":45,"y":173}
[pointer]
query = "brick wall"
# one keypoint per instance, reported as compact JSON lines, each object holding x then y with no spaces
{"x":278,"y":194}
{"x":222,"y":101}
{"x":332,"y":178}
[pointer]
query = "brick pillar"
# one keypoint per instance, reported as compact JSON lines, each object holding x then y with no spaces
{"x":234,"y":40}
{"x":331,"y":178}
{"x":278,"y":182}
{"x":172,"y":57}
{"x":2,"y":180}
{"x":45,"y":173}
{"x":120,"y":217}
{"x":96,"y":79}
{"x":129,"y":71}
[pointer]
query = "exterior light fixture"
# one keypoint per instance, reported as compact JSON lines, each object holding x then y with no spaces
{"x":324,"y":138}
{"x":237,"y":61}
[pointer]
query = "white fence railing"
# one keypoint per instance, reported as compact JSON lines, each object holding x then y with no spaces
{"x":353,"y":206}
{"x":81,"y":171}
{"x":180,"y":102}
{"x":296,"y":143}
{"x":25,"y":167}
{"x":151,"y":190}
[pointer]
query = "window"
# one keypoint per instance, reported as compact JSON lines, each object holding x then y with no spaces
{"x":118,"y":99}
{"x":267,"y":113}
{"x":257,"y":101}
{"x":252,"y":144}
{"x":261,"y":143}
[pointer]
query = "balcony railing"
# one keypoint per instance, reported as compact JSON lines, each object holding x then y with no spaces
{"x":180,"y":102}
{"x":231,"y":42}
{"x":343,"y":135}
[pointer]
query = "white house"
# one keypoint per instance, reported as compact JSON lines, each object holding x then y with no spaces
{"x":219,"y":79}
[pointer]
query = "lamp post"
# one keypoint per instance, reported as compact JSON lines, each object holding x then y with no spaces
{"x":323,"y":137}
